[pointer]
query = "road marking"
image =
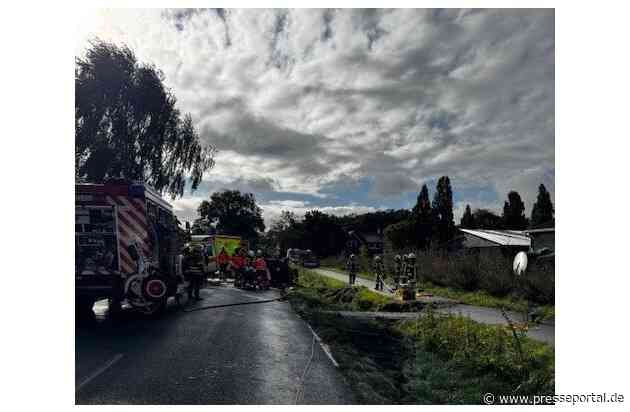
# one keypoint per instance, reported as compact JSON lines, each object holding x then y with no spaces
{"x":99,"y":371}
{"x":324,"y":347}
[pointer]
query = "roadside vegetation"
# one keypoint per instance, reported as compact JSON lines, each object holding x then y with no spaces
{"x":474,"y":280}
{"x":436,"y":359}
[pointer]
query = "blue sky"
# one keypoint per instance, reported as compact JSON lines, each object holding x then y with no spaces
{"x":353,"y":110}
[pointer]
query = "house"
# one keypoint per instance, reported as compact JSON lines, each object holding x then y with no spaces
{"x":544,"y":238}
{"x":373,"y":242}
{"x":506,"y":243}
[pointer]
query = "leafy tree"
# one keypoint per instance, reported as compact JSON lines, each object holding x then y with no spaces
{"x":202,"y":226}
{"x":399,"y":234}
{"x":468,"y":221}
{"x":233,"y":213}
{"x":423,"y":219}
{"x":323,"y":233}
{"x":443,"y":211}
{"x":285,"y":232}
{"x":514,"y":212}
{"x":127,"y":124}
{"x":543,"y":211}
{"x":485,"y":219}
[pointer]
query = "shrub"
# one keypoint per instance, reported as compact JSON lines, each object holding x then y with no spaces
{"x":538,"y":284}
{"x":483,"y":349}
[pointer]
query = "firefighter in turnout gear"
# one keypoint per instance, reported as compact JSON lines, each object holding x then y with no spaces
{"x":403,"y":270}
{"x":193,"y":269}
{"x":398,"y":268}
{"x":352,"y":267}
{"x":411,"y":272}
{"x":379,"y":272}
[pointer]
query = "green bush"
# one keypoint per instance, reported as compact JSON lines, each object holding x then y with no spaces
{"x":482,"y":349}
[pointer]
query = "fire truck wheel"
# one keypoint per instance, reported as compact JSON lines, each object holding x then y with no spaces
{"x":154,"y":288}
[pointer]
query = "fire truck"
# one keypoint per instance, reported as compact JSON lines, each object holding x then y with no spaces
{"x":127,"y":248}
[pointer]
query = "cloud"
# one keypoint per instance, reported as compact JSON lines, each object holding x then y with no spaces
{"x":300,"y":101}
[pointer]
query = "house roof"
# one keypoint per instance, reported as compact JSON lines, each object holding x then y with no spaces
{"x":502,"y":237}
{"x":542,"y":230}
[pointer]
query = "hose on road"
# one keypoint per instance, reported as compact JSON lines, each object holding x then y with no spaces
{"x":251,"y":302}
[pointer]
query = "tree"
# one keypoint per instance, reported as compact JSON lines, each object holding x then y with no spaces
{"x":443,"y":211}
{"x":233,"y":213}
{"x":485,"y":219}
{"x":323,"y":233}
{"x":127,"y":124}
{"x":543,"y":211}
{"x":468,"y":221}
{"x":514,"y":212}
{"x":423,"y":219}
{"x":400,"y":233}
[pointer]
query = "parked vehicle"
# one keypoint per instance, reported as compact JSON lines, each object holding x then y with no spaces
{"x":309,"y":260}
{"x":126,"y":247}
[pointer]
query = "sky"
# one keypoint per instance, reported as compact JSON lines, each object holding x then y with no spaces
{"x":352,"y":110}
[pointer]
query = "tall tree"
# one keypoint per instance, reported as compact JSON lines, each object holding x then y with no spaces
{"x":423,"y":219}
{"x":467,"y":221}
{"x":233,"y":213}
{"x":543,"y":211}
{"x":514,"y":212}
{"x":127,"y":124}
{"x":485,"y":219}
{"x":443,"y":211}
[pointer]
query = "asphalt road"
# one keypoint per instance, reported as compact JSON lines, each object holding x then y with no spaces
{"x":251,"y":354}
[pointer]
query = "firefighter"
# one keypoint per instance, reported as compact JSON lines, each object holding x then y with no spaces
{"x":411,"y":272}
{"x":379,"y":272}
{"x":403,"y":269}
{"x":250,"y":272}
{"x":262,"y":271}
{"x":222,"y":263}
{"x":193,"y":268}
{"x":397,"y":270}
{"x":353,"y":268}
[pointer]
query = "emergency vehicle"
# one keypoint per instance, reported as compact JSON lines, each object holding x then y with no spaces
{"x":127,"y":247}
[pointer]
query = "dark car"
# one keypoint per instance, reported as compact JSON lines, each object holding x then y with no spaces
{"x":309,"y":260}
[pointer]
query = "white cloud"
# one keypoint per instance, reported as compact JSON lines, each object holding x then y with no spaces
{"x":303,"y":98}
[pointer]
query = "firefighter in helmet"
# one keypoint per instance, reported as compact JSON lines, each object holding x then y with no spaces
{"x":398,"y":268}
{"x":262,"y":272}
{"x":352,"y":267}
{"x":379,"y":272}
{"x":411,"y":270}
{"x":193,"y":269}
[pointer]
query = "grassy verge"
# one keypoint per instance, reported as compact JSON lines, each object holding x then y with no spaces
{"x":475,"y":298}
{"x":432,"y":360}
{"x":317,"y":292}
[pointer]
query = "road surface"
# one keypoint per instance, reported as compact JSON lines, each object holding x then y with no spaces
{"x":252,"y":354}
{"x":491,"y":316}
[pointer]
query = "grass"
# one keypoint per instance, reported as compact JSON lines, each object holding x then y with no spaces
{"x":476,"y":298}
{"x":432,"y":360}
{"x":321,"y":292}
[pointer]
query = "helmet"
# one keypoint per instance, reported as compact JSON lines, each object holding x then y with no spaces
{"x":251,"y":253}
{"x":259,"y":252}
{"x":352,"y":256}
{"x":412,"y":256}
{"x":377,"y":258}
{"x":397,"y":258}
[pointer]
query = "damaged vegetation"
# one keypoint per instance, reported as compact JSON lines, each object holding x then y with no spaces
{"x":435,"y":359}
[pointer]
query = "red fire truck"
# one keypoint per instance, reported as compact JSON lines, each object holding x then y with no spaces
{"x":127,"y":247}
